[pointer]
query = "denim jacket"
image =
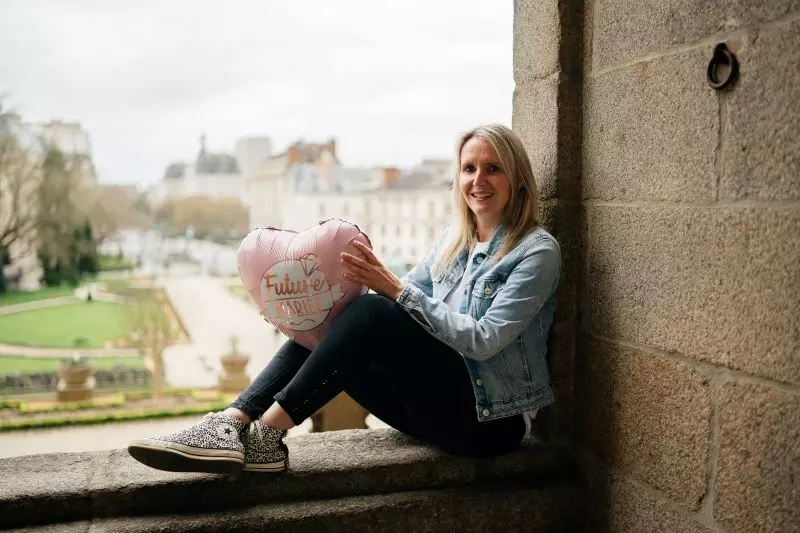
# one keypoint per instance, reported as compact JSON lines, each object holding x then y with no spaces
{"x":505,"y":317}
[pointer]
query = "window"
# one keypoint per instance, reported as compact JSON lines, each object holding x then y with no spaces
{"x":397,"y":230}
{"x":322,"y":210}
{"x":413,"y":231}
{"x":383,"y":230}
{"x":346,"y":209}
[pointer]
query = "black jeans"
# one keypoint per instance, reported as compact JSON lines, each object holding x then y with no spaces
{"x":385,"y":361}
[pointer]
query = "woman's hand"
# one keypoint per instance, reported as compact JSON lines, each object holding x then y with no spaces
{"x":371,"y":272}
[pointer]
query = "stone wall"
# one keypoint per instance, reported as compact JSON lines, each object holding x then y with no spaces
{"x":681,"y":211}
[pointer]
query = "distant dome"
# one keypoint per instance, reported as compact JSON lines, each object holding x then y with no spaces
{"x":208,"y":163}
{"x":175,"y":171}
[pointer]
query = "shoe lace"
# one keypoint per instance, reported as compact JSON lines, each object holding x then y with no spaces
{"x":255,"y":427}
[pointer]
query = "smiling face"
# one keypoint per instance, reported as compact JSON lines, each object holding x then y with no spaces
{"x":484,"y":185}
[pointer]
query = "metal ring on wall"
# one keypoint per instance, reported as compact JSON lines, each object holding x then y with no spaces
{"x":722,"y":56}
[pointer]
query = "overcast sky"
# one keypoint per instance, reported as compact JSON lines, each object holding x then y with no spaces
{"x":392,"y":81}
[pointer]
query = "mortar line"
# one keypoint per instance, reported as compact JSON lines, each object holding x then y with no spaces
{"x":555,"y":75}
{"x":707,"y":41}
{"x":586,"y":456}
{"x":673,"y":50}
{"x":719,"y":149}
{"x":709,"y":370}
{"x":587,"y":264}
{"x":749,"y":203}
{"x":714,"y":439}
{"x":588,"y":36}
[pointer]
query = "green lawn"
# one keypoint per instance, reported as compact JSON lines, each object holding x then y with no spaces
{"x":59,"y":326}
{"x":112,"y":262}
{"x":19,"y":297}
{"x":16,"y":364}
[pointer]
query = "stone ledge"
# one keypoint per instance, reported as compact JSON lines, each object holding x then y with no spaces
{"x":515,"y":507}
{"x":57,"y":488}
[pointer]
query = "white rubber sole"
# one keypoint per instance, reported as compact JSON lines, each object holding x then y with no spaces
{"x":174,"y":457}
{"x":278,"y":466}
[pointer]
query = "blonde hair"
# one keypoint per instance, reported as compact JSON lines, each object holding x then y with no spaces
{"x":519,"y":215}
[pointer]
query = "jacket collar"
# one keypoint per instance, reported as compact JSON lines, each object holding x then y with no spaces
{"x":494,"y":243}
{"x":497,"y":238}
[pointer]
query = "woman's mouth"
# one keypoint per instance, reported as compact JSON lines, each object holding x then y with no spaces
{"x":482,"y":196}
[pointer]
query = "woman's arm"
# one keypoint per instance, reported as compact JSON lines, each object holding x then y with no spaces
{"x":525,"y":291}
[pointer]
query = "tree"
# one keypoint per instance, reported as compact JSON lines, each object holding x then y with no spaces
{"x":152,"y":331}
{"x":5,"y":259}
{"x":19,"y":178}
{"x":57,"y":227}
{"x":210,"y":217}
{"x":112,"y":208}
{"x":87,"y":262}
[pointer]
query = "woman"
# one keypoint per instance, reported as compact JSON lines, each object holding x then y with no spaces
{"x":453,"y":355}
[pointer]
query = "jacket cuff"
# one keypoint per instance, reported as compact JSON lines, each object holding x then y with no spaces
{"x":410,"y":297}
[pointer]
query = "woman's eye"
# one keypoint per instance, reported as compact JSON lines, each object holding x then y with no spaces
{"x":492,"y":168}
{"x":469,"y":169}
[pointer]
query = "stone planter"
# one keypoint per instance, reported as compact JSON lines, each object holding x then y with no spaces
{"x":234,"y":378}
{"x":75,"y":383}
{"x":342,"y":412}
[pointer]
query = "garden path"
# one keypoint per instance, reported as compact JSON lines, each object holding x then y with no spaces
{"x":211,"y":316}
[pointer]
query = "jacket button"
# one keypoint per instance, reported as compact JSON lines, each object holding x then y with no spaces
{"x":487,"y":291}
{"x":485,"y":412}
{"x":478,"y":382}
{"x":479,"y":259}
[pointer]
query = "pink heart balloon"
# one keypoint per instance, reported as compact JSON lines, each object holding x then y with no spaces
{"x":296,"y":279}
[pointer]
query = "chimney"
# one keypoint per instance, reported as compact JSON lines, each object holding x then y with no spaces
{"x":387,"y":175}
{"x":331,"y":146}
{"x":293,"y":154}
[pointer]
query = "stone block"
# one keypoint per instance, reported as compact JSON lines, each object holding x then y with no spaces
{"x":758,"y":484}
{"x":535,"y":121}
{"x":554,"y":508}
{"x":562,"y":221}
{"x":537,"y":38}
{"x":556,"y":421}
{"x":322,"y":465}
{"x":53,"y":484}
{"x":83,"y":526}
{"x":718,"y":284}
{"x":622,"y":506}
{"x":650,"y":132}
{"x":546,"y":116}
{"x":645,"y":415}
{"x":761,"y":150}
{"x":623,"y":31}
{"x":330,"y":466}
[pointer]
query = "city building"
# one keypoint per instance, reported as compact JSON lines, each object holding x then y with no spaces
{"x":402,"y":212}
{"x":212,"y":174}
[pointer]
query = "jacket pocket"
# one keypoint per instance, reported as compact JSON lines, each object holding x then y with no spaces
{"x":483,"y":294}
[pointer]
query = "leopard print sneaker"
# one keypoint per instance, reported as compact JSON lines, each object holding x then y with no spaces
{"x":212,"y":445}
{"x":264,"y":450}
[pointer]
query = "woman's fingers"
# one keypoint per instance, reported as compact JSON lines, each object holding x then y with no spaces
{"x":371,"y":257}
{"x":354,"y":261}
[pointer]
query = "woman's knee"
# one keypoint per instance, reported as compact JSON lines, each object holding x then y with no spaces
{"x":373,"y":308}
